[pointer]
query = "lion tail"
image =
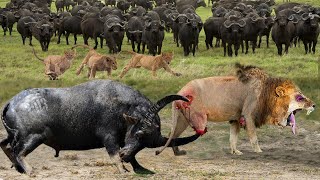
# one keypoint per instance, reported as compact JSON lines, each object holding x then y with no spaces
{"x":80,"y":69}
{"x":34,"y":52}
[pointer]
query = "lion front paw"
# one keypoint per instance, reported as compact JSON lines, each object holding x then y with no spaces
{"x":236,"y":152}
{"x":258,"y":150}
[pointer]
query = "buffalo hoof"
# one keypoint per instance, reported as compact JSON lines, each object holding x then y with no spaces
{"x":143,"y":171}
{"x":180,"y":153}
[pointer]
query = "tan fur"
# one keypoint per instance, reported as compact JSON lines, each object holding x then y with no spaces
{"x":97,"y":62}
{"x":251,"y":94}
{"x":152,"y":63}
{"x":56,"y":65}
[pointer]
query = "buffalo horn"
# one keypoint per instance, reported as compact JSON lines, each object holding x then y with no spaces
{"x":164,"y":101}
{"x":241,"y":23}
{"x":228,"y":24}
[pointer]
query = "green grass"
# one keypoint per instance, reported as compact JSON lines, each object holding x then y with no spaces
{"x":19,"y":69}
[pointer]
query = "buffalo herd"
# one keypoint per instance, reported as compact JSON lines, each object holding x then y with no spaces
{"x":234,"y":23}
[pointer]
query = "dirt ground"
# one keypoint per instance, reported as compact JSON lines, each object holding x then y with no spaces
{"x":285,"y":156}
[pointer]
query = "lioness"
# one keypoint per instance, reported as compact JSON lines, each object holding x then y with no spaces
{"x":55,"y":65}
{"x":97,"y":62}
{"x":250,"y":99}
{"x":152,"y":63}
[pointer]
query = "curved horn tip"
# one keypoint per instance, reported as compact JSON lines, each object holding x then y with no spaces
{"x":158,"y":152}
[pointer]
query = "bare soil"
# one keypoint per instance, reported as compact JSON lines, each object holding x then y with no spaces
{"x":284,"y":156}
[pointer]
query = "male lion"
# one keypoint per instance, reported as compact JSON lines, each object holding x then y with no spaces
{"x":55,"y":65}
{"x":152,"y":63}
{"x":250,"y":99}
{"x":97,"y":62}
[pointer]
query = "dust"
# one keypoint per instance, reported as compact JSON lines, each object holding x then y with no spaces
{"x":284,"y":156}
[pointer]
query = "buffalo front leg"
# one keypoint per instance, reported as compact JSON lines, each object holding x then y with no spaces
{"x":30,"y":40}
{"x":234,"y":131}
{"x":279,"y":47}
{"x":113,"y":150}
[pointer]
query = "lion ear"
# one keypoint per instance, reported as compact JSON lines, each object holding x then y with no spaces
{"x":280,"y":91}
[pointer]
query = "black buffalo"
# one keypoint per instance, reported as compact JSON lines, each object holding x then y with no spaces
{"x":152,"y":36}
{"x":212,"y":29}
{"x":92,"y":115}
{"x":7,"y":19}
{"x":254,"y":26}
{"x":24,"y":28}
{"x":189,"y":36}
{"x":231,"y":34}
{"x":70,"y":24}
{"x":308,"y":31}
{"x":114,"y":33}
{"x":93,"y":28}
{"x":283,"y":31}
{"x":43,"y":31}
{"x":134,"y":31}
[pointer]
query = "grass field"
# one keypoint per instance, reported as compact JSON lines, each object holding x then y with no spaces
{"x":285,"y":156}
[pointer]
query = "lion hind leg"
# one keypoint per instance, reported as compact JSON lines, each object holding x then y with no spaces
{"x":93,"y":71}
{"x":234,"y":132}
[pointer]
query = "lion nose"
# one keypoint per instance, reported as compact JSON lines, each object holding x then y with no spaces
{"x":314,"y":106}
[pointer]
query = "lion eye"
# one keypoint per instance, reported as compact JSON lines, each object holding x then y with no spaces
{"x":299,"y":98}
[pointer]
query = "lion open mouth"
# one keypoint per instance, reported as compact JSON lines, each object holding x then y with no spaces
{"x":291,"y":120}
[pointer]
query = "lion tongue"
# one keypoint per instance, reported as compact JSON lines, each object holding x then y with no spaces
{"x":293,"y":123}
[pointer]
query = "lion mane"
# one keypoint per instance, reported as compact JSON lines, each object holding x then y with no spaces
{"x":269,"y":105}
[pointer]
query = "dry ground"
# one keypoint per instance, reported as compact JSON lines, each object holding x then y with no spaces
{"x":285,"y":156}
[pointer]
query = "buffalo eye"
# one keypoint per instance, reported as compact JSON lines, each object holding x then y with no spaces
{"x":299,"y":98}
{"x":139,"y":134}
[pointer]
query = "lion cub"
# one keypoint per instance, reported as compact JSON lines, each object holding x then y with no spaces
{"x":152,"y":63}
{"x":97,"y":62}
{"x":55,"y":65}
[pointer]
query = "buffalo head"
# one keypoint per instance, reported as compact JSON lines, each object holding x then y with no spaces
{"x":312,"y":19}
{"x":155,"y":26}
{"x":201,"y":3}
{"x":144,"y":129}
{"x":283,"y":20}
{"x":181,"y":19}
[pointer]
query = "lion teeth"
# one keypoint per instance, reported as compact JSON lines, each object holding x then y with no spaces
{"x":308,"y":112}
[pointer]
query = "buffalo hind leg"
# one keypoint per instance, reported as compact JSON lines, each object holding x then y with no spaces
{"x":7,"y":150}
{"x":23,"y":148}
{"x":314,"y":44}
{"x":182,"y":125}
{"x":137,"y":168}
{"x":234,"y":131}
{"x":30,"y":40}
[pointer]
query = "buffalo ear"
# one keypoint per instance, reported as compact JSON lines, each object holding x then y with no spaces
{"x":280,"y":91}
{"x":130,"y":119}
